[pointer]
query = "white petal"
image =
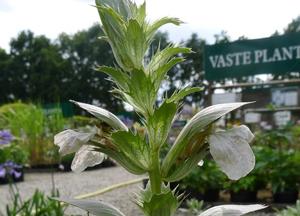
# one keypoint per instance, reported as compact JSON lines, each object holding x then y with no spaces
{"x":86,"y":157}
{"x":245,"y":132}
{"x":231,"y":210}
{"x":199,"y":123}
{"x":205,"y":117}
{"x":231,"y":150}
{"x":70,"y":141}
{"x":103,"y":115}
{"x":200,"y":163}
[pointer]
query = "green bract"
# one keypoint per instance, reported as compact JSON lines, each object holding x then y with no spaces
{"x":137,"y":81}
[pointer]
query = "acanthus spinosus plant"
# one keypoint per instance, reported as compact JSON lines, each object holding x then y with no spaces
{"x":137,"y":82}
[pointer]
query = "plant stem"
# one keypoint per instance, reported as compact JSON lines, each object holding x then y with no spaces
{"x":154,"y":174}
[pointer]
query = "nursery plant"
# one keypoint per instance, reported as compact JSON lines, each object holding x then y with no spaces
{"x":33,"y":129}
{"x":285,"y":177}
{"x":245,"y":190}
{"x":281,"y":159}
{"x":12,"y":158}
{"x":290,"y":210}
{"x":137,"y":81}
{"x":205,"y":182}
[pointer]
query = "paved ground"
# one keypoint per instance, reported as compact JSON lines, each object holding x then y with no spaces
{"x":71,"y":184}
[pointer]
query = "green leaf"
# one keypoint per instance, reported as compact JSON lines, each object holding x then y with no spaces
{"x":163,"y":204}
{"x":177,"y":96}
{"x":138,"y":13}
{"x":151,"y":30}
{"x":133,"y":146}
{"x":161,"y":72}
{"x":94,"y":207}
{"x":163,"y":56}
{"x":120,"y":78}
{"x":114,"y":27}
{"x":160,"y":122}
{"x":135,"y":44}
{"x":121,"y":6}
{"x":124,"y":27}
{"x":183,"y":168}
{"x":193,"y":136}
{"x":130,"y":164}
{"x":142,"y":94}
{"x":162,"y":62}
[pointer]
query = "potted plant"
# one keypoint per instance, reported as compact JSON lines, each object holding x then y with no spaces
{"x":204,"y":183}
{"x":12,"y":159}
{"x":245,"y":190}
{"x":280,"y":154}
{"x":285,"y":176}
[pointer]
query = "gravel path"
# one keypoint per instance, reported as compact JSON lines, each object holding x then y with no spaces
{"x":71,"y":184}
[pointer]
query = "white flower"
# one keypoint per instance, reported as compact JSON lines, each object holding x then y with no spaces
{"x":230,"y":149}
{"x":70,"y":141}
{"x":85,"y":157}
{"x":103,"y":114}
{"x":232,"y":210}
{"x":232,"y":152}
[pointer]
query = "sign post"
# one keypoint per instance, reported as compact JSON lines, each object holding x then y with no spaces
{"x":274,"y":55}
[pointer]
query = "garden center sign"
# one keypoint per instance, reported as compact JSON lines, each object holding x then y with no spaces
{"x":274,"y":55}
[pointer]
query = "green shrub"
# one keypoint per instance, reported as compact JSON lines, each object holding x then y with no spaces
{"x":195,"y":206}
{"x":38,"y":204}
{"x":206,"y":177}
{"x":257,"y":179}
{"x":290,"y":211}
{"x":13,"y":153}
{"x":33,"y":129}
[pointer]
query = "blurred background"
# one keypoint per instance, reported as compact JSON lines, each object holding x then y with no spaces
{"x":243,"y":51}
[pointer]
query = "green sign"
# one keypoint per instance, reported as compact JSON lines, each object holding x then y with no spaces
{"x":274,"y":55}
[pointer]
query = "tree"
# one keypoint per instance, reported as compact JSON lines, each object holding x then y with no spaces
{"x":84,"y":51}
{"x":191,"y":71}
{"x":36,"y":69}
{"x":293,"y":26}
{"x":5,"y":80}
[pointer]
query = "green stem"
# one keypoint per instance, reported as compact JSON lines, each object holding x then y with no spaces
{"x":154,"y":174}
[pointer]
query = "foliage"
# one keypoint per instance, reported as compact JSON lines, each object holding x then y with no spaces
{"x":38,"y":204}
{"x":282,"y":138}
{"x":195,"y":206}
{"x":283,"y":170}
{"x":293,"y":26}
{"x":191,"y":71}
{"x":12,"y":157}
{"x":34,"y":70}
{"x":33,"y":129}
{"x":204,"y":178}
{"x":290,"y":211}
{"x":82,"y":121}
{"x":14,"y":153}
{"x":257,"y":179}
{"x":84,"y":51}
{"x":281,"y":157}
{"x":164,"y":203}
{"x":248,"y":183}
